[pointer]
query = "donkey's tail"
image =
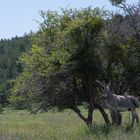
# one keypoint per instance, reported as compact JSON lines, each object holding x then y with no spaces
{"x":135,"y":101}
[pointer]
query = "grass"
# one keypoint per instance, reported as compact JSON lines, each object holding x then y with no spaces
{"x":21,"y":125}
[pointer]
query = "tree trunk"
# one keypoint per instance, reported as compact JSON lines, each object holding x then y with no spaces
{"x":89,"y":118}
{"x":105,"y":116}
{"x":78,"y":112}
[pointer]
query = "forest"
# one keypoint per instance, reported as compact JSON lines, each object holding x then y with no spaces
{"x":10,"y":50}
{"x":63,"y":65}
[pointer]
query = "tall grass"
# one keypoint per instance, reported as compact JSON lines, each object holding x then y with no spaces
{"x":21,"y":125}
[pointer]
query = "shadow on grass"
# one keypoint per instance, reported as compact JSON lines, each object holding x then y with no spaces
{"x":99,"y":129}
{"x":105,"y":130}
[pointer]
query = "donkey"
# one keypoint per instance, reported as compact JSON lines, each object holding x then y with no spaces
{"x":118,"y":103}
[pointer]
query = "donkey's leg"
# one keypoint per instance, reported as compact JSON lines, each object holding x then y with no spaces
{"x":136,"y":117}
{"x":119,"y":118}
{"x":116,"y":117}
{"x":133,"y":118}
{"x":112,"y":116}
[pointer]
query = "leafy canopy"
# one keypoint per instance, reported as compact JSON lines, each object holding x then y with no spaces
{"x":63,"y":62}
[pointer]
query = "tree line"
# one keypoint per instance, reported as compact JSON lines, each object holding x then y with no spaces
{"x":10,"y":50}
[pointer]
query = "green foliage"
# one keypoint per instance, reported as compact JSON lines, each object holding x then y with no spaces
{"x":10,"y":50}
{"x":116,"y":2}
{"x":61,"y":54}
{"x":70,"y":52}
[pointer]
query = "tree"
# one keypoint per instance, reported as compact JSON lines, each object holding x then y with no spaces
{"x":123,"y":49}
{"x":73,"y":50}
{"x":116,"y":2}
{"x":61,"y":69}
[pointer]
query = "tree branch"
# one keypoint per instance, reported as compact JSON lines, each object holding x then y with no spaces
{"x":78,"y":112}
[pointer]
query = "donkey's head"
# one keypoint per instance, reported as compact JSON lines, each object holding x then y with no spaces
{"x":106,"y":90}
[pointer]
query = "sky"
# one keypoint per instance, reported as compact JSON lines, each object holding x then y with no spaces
{"x":18,"y":16}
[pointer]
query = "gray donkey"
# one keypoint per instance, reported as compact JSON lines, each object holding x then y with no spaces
{"x":118,"y":103}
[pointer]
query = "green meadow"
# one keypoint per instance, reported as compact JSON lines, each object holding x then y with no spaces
{"x":21,"y":125}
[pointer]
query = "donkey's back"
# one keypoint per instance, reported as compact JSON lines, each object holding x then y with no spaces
{"x":123,"y":103}
{"x":134,"y":100}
